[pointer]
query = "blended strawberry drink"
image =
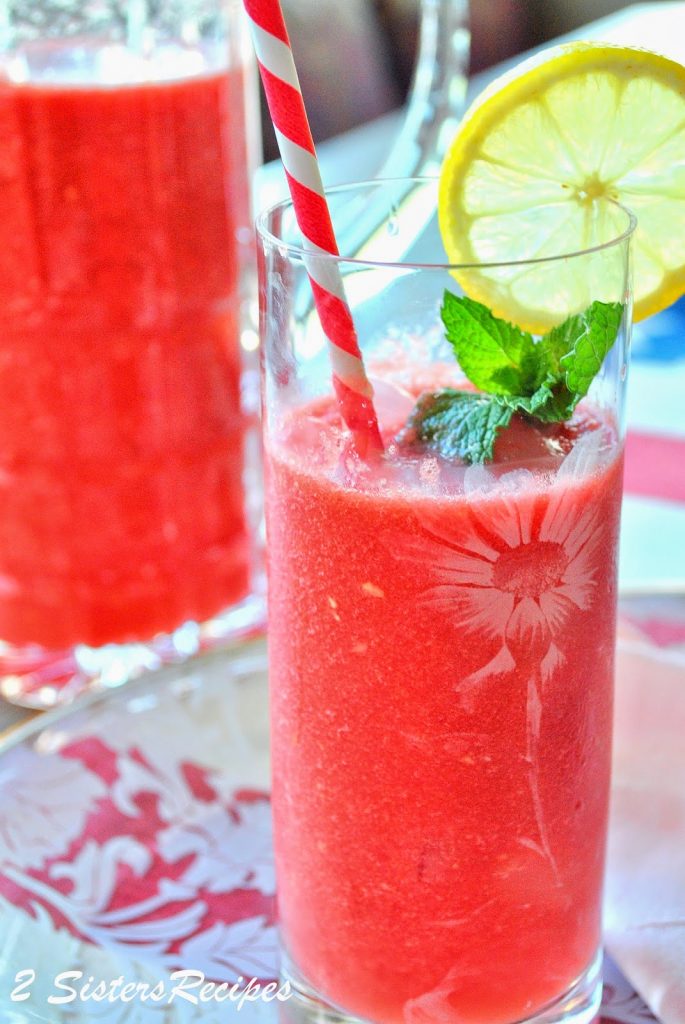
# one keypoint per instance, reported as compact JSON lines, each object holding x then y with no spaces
{"x":442,"y":621}
{"x":123,"y":240}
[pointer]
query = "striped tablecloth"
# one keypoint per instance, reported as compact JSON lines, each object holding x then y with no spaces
{"x":653,"y":536}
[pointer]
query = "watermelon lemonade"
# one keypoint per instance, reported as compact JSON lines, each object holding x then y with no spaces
{"x":442,"y":623}
{"x":123,"y":245}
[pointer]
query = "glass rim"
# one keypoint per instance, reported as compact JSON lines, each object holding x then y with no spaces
{"x":298,"y":250}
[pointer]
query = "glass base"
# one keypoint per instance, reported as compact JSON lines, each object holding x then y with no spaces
{"x":33,"y":677}
{"x":579,"y":1005}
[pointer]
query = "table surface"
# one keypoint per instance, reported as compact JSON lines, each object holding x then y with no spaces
{"x":652,"y":552}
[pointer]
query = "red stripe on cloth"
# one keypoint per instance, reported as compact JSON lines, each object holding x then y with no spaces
{"x":336,"y":320}
{"x":287,"y":109}
{"x":662,"y":632}
{"x":313,"y":216}
{"x":655,"y":466}
{"x":269,"y":16}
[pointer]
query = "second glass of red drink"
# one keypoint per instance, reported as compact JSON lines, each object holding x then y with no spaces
{"x":442,"y":626}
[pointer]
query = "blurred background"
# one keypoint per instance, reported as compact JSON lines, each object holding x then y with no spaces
{"x":376,"y":41}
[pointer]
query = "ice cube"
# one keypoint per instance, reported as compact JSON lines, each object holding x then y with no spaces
{"x":478,"y":478}
{"x":429,"y":473}
{"x":516,"y":480}
{"x":393,"y":405}
{"x":584,"y":457}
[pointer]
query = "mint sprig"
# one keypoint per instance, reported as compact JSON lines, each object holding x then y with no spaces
{"x":459,"y":424}
{"x":542,"y":379}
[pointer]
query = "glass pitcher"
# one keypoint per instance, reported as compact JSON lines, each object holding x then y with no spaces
{"x":127,"y":132}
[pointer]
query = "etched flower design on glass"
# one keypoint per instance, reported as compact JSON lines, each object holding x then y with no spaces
{"x":525,"y":564}
{"x":514,"y":572}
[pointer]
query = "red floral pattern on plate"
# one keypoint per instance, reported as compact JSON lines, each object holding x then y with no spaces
{"x":130,"y":832}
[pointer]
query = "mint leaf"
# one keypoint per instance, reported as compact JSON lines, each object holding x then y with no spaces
{"x":550,"y":405}
{"x":495,"y":355}
{"x":584,"y":358}
{"x":573,"y":353}
{"x":543,"y":404}
{"x":559,"y":342}
{"x":458,"y":424}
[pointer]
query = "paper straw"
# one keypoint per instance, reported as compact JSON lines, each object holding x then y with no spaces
{"x":286,"y":106}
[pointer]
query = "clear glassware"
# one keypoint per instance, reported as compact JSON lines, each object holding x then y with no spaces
{"x":127,"y":510}
{"x":436,"y":99}
{"x":441,"y":644}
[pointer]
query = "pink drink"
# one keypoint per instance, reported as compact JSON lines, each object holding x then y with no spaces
{"x":441,"y":672}
{"x":121,"y":465}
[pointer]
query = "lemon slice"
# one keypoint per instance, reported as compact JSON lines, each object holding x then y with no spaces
{"x":538,"y":167}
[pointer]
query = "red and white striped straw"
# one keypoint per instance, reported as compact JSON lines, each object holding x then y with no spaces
{"x":286,"y":106}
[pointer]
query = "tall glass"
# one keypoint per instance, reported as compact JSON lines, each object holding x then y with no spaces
{"x":441,"y":649}
{"x":126,"y":132}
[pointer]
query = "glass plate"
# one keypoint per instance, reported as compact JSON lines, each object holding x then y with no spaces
{"x":135,"y":842}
